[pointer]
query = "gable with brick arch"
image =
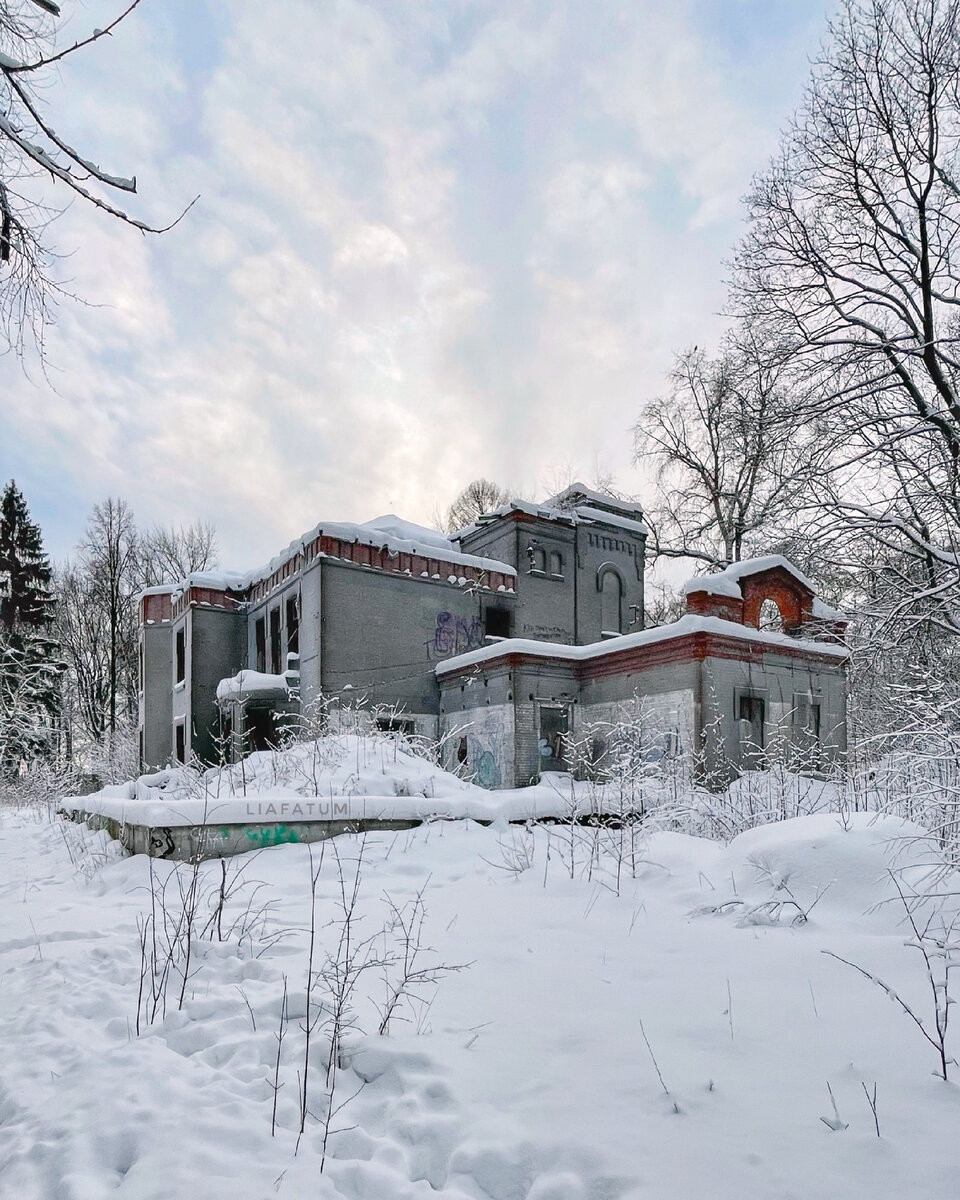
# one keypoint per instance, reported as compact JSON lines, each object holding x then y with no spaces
{"x":739,"y":592}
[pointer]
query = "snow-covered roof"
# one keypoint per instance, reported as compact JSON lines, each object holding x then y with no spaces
{"x":388,"y":532}
{"x":727,"y":582}
{"x":396,"y":527}
{"x":600,"y":509}
{"x":647,"y":637}
{"x":571,"y":497}
{"x":252,"y":683}
{"x":823,"y":612}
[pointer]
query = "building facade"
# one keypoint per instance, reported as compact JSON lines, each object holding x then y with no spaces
{"x":366,"y":612}
{"x":509,"y":639}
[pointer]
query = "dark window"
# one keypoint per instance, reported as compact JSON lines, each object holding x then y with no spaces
{"x":750,"y":714}
{"x":275,"y":665}
{"x":293,"y":626}
{"x":181,"y":743}
{"x":261,"y":638}
{"x":610,"y":596}
{"x":496,"y":622}
{"x":395,"y":725}
{"x":259,"y":729}
{"x":140,"y":655}
{"x":462,"y":751}
{"x":181,"y":656}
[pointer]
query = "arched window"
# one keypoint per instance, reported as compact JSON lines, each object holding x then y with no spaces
{"x":610,"y":602}
{"x":770,"y":617}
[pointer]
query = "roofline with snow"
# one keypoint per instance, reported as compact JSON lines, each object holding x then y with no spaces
{"x":515,"y":651}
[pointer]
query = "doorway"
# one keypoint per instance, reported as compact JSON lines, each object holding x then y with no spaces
{"x":554,"y":727}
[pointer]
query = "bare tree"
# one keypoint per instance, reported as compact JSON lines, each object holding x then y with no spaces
{"x":731,"y":461}
{"x":851,"y":258}
{"x":32,"y":153}
{"x":168,"y":553}
{"x":83,"y":629}
{"x":109,"y":549}
{"x":478,"y":497}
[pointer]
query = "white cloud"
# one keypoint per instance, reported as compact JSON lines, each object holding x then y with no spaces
{"x":434,"y":241}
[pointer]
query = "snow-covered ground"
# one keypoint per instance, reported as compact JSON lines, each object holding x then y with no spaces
{"x":632,"y":1019}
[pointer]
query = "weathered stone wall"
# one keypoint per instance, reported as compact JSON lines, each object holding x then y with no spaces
{"x":156,"y":695}
{"x":780,"y":681}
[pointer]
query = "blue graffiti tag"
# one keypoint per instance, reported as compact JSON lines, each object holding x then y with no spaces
{"x":456,"y":635}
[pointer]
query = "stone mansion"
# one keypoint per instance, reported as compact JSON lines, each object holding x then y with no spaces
{"x":509,"y":636}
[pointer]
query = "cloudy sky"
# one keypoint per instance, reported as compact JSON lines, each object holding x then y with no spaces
{"x":435,"y":239}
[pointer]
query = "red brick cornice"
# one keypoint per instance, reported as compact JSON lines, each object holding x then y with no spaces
{"x":687,"y":648}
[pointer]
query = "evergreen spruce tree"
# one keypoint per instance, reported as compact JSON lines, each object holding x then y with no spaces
{"x":25,"y":597}
{"x":30,"y":667}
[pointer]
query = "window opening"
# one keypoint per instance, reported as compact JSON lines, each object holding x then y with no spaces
{"x":181,"y":740}
{"x":293,"y":626}
{"x":554,"y":727}
{"x":751,"y":712}
{"x":806,"y":728}
{"x":396,"y":725}
{"x":610,"y":596}
{"x":275,"y":665}
{"x":261,"y":643}
{"x":181,"y":656}
{"x":770,"y":617}
{"x":496,"y":622}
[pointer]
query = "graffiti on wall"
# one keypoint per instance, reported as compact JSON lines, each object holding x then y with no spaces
{"x":487,"y":755}
{"x":455,"y":635}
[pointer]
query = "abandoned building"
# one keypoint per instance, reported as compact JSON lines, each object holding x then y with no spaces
{"x":507,"y":639}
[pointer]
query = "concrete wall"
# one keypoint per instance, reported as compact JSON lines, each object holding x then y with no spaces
{"x":602,"y":548}
{"x":781,"y":681}
{"x":476,"y":714}
{"x":545,"y":607}
{"x":565,"y":606}
{"x":682,"y":709}
{"x":215,"y":650}
{"x":383,"y":634}
{"x":180,"y":703}
{"x":310,"y":643}
{"x":662,"y":724}
{"x":155,"y":715}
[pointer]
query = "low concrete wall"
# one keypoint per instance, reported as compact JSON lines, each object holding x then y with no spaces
{"x":187,"y":843}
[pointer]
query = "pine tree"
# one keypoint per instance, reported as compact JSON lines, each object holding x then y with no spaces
{"x":25,"y":597}
{"x":30,"y":666}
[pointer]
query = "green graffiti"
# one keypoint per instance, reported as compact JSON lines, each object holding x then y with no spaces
{"x":487,"y":771}
{"x":271,"y":835}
